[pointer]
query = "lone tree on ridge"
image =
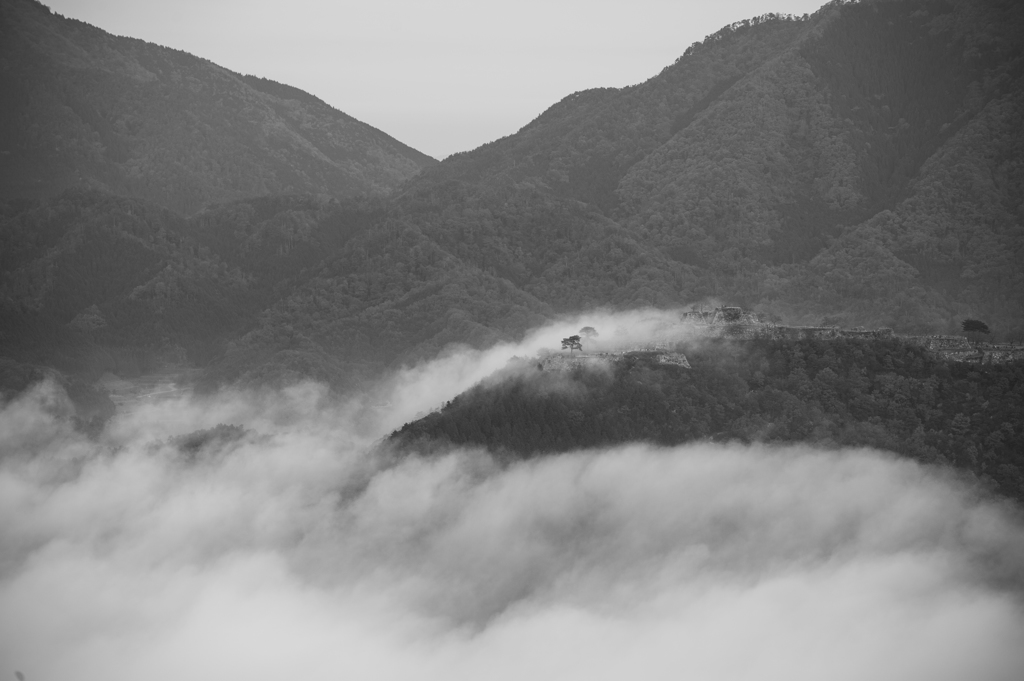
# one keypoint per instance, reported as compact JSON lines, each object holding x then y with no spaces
{"x":572,"y":343}
{"x":974,"y":327}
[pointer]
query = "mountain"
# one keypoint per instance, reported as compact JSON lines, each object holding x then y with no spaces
{"x":83,"y":108}
{"x":858,"y":166}
{"x":885,"y":394}
{"x":89,"y":277}
{"x":266,"y":290}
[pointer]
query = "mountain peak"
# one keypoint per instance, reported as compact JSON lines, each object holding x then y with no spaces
{"x":85,"y":108}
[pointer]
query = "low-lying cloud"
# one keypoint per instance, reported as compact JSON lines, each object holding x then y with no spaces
{"x":292,"y":547}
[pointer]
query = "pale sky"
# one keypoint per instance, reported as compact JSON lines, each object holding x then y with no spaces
{"x":442,"y":76}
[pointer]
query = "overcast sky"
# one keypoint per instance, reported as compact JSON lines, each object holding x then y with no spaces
{"x":440,"y":75}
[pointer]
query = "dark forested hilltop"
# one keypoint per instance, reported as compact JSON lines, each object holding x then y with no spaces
{"x":83,"y":108}
{"x":862,"y":164}
{"x":883,"y":393}
{"x":859,"y":166}
{"x":265,"y":290}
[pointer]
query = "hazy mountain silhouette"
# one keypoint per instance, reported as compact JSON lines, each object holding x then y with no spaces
{"x":857,"y":164}
{"x":84,"y":108}
{"x":861,"y":164}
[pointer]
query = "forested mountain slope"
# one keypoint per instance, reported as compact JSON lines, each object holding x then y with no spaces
{"x":883,"y":394}
{"x":266,"y":290}
{"x":861,"y":165}
{"x":872,"y":171}
{"x":92,"y":282}
{"x":83,"y":108}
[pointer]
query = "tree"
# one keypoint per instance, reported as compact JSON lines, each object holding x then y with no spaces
{"x":974,"y":327}
{"x":572,"y":343}
{"x":977,"y":325}
{"x":588,"y":332}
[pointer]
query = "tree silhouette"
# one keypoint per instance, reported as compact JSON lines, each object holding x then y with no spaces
{"x":572,"y":343}
{"x":973,"y":328}
{"x":588,"y":332}
{"x":974,"y":325}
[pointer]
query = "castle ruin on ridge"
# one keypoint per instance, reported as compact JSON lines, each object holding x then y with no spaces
{"x":735,"y":323}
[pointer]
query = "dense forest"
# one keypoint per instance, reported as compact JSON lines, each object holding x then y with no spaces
{"x":83,"y":108}
{"x":220,"y":296}
{"x":846,"y":393}
{"x":858,"y":166}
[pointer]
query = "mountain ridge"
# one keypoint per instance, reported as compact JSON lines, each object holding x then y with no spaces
{"x":95,"y":110}
{"x":768,"y":167}
{"x":884,"y":393}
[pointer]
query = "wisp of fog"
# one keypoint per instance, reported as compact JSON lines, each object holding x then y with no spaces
{"x":268,"y":535}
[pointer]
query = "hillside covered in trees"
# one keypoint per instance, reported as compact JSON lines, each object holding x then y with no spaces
{"x":846,"y":393}
{"x":83,"y":108}
{"x":859,"y":166}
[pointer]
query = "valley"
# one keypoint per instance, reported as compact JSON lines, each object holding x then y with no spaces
{"x":716,"y":375}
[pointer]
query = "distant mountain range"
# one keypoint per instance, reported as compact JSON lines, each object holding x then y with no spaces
{"x":83,"y":108}
{"x":861,"y":166}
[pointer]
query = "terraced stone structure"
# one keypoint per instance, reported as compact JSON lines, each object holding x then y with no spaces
{"x":735,"y":323}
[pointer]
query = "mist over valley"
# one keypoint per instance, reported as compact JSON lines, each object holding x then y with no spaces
{"x":267,"y":532}
{"x":718,"y":375}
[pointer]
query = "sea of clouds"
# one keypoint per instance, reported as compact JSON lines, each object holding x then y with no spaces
{"x":295,"y":546}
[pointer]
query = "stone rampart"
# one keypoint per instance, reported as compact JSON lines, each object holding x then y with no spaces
{"x":556,"y":362}
{"x":867,"y":334}
{"x":659,"y":346}
{"x":827,"y":333}
{"x":676,"y":358}
{"x":733,"y":323}
{"x":945,"y":343}
{"x":998,"y":356}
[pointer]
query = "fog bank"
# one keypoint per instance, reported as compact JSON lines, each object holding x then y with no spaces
{"x":289,"y":545}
